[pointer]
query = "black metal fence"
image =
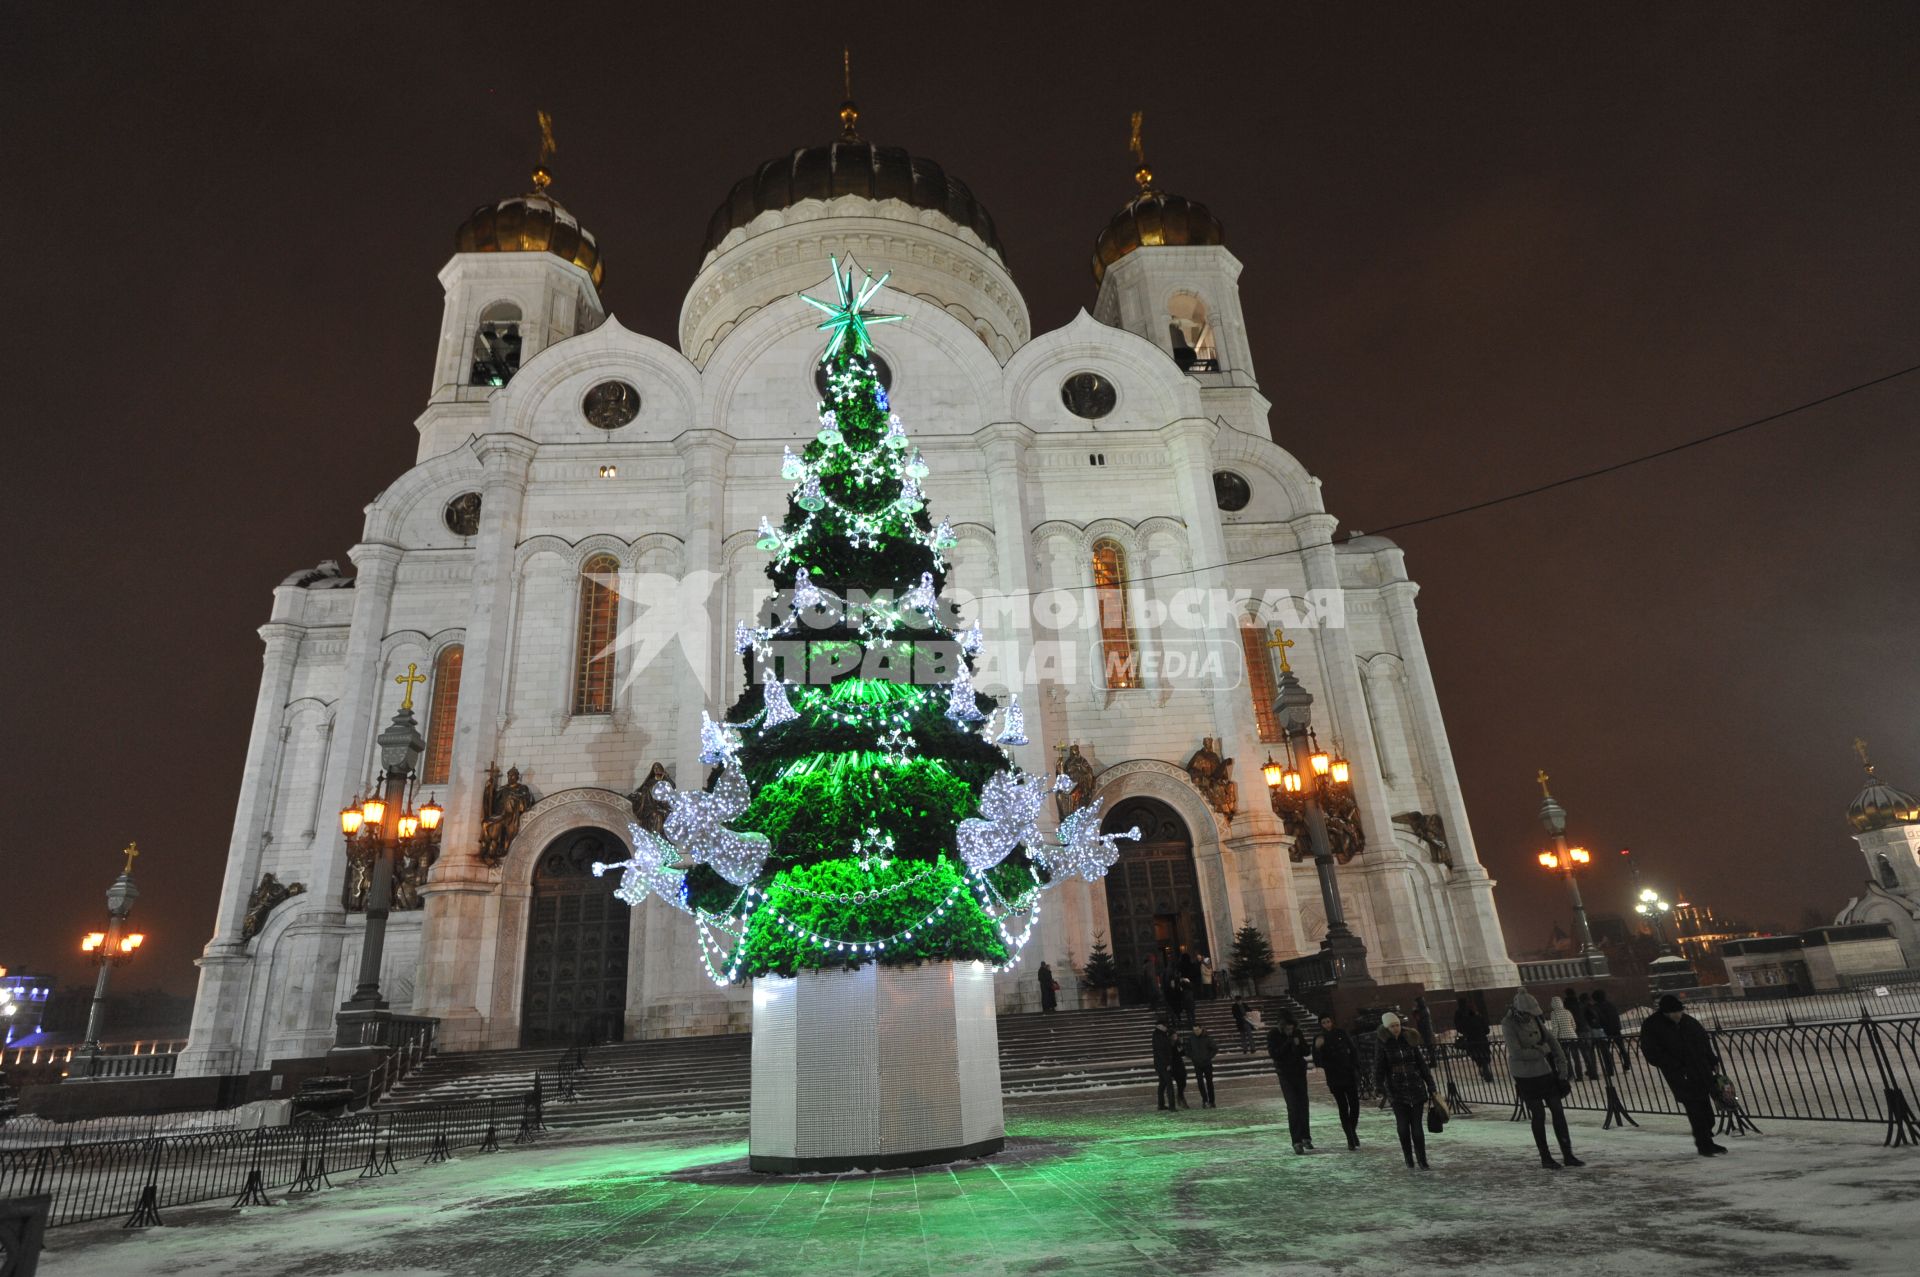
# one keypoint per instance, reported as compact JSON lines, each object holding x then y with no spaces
{"x":1862,"y":1070}
{"x":138,"y":1178}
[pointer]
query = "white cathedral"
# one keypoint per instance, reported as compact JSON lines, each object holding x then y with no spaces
{"x":1126,"y":456}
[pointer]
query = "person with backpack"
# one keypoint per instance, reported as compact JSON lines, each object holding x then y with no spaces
{"x":1243,"y":1024}
{"x":1540,"y":1068}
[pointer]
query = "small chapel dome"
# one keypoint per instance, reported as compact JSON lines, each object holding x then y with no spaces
{"x":1153,"y":219}
{"x":851,"y":166}
{"x":1879,"y":805}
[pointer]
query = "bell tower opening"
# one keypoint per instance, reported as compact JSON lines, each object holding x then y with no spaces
{"x":496,"y":345}
{"x":1153,"y":897}
{"x":575,"y":982}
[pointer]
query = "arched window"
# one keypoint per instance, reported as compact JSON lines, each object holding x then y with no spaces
{"x":599,"y":612}
{"x":1260,"y":681}
{"x":442,"y":712}
{"x":1194,"y":348}
{"x":1889,"y":876}
{"x":1119,"y":662}
{"x":496,"y":345}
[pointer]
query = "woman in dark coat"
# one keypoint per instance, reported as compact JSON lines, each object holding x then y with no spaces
{"x":1179,"y":1069}
{"x":1290,"y":1054}
{"x":1164,"y":1051}
{"x":1338,"y":1060}
{"x":1400,"y":1070}
{"x":1539,"y":1064}
{"x":1471,"y":1027}
{"x":1049,"y":989}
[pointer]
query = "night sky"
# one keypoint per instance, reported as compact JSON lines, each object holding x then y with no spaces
{"x":1485,"y":245}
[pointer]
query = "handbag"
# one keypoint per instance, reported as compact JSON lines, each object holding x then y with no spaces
{"x":1437,"y":1115}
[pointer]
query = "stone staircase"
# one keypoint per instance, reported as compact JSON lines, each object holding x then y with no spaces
{"x":705,"y":1078}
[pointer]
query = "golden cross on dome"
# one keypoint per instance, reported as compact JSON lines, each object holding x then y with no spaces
{"x":542,"y":176}
{"x":407,"y":681}
{"x":849,"y":113}
{"x":1860,"y":748}
{"x":1281,"y":641}
{"x":1143,"y":174}
{"x":133,"y":849}
{"x":1543,"y":778}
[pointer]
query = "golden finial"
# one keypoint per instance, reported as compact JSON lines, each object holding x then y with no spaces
{"x":407,"y":681}
{"x":542,"y":175}
{"x":1144,"y":176}
{"x":1542,"y":779}
{"x":133,"y":850}
{"x":1280,"y":640}
{"x":849,"y":113}
{"x":1860,"y":748}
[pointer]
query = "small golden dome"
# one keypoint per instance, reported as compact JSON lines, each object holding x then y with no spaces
{"x":1152,"y":219}
{"x":535,"y":223}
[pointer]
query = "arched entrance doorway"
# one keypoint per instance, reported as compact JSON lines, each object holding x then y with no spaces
{"x":1153,"y":895}
{"x":576,"y":971}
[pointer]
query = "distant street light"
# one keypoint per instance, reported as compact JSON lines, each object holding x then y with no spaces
{"x":108,"y":949}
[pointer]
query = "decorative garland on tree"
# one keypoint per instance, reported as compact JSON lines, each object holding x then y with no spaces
{"x":865,"y":805}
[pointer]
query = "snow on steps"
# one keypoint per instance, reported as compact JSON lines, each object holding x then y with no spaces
{"x":707,"y":1077}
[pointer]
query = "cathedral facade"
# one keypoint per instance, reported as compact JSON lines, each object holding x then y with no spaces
{"x":554,"y":585}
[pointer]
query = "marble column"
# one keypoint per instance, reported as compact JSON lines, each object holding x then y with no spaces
{"x":1469,"y":890}
{"x":219,"y":1007}
{"x":1395,"y":952}
{"x":458,"y":928}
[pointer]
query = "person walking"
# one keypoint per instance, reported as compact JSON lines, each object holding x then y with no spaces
{"x":1049,"y":989}
{"x":1243,"y":1024}
{"x":1150,"y":981}
{"x":1607,"y":1017}
{"x":1593,"y":1039}
{"x":1677,"y":1044}
{"x":1566,"y":1029}
{"x":1400,"y":1070}
{"x":1176,"y":1006}
{"x":1472,"y":1030}
{"x":1202,"y":1047}
{"x":1338,"y":1060}
{"x":1180,"y":1069}
{"x":1539,"y":1069}
{"x":1189,"y":999}
{"x":1422,"y":1017}
{"x":1290,"y":1054}
{"x":1164,"y":1051}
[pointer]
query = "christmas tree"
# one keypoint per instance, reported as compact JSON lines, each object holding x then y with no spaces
{"x":1101,"y":971}
{"x":1252,"y":958}
{"x":865,"y":805}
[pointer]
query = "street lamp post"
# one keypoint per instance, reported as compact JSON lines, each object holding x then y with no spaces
{"x":108,"y":949}
{"x":1655,"y":910}
{"x":1303,"y":791}
{"x":1565,"y":859}
{"x":385,"y":824}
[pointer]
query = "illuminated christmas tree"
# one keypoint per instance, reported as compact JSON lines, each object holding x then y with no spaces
{"x":866,"y":806}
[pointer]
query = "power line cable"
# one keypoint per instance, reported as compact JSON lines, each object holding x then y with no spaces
{"x":1533,"y":491}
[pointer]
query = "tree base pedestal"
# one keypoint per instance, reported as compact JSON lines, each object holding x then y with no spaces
{"x":874,"y":1068}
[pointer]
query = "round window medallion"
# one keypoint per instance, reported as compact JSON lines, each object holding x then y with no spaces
{"x":1230,"y":491}
{"x":611,"y":405}
{"x":463,"y":514}
{"x":1088,"y":395}
{"x":880,"y":366}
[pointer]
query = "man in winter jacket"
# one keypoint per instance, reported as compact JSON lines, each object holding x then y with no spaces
{"x":1164,"y":1051}
{"x":1290,"y":1053}
{"x":1677,"y":1044}
{"x":1201,"y":1048}
{"x":1338,"y":1060}
{"x":1472,"y":1029}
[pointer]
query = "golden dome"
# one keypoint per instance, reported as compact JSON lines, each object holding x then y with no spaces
{"x":533,"y":223}
{"x":1152,"y":219}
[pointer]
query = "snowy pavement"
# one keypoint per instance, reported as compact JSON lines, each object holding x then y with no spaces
{"x":1096,"y":1185}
